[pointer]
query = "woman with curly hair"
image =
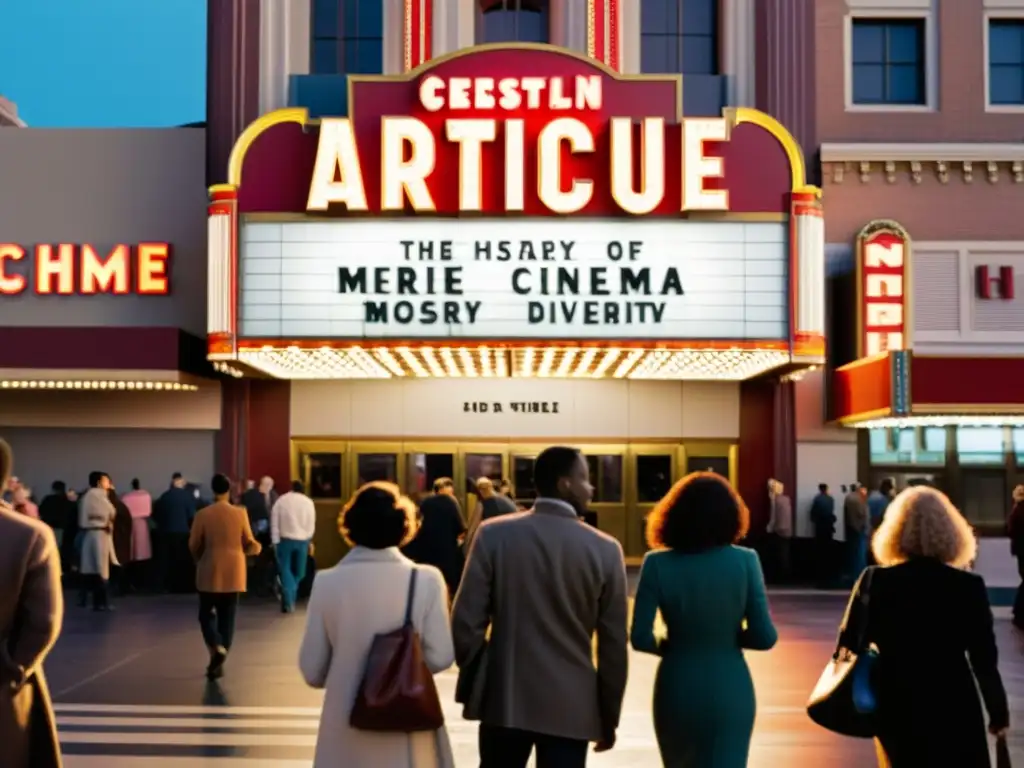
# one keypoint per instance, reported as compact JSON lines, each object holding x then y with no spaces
{"x":712,"y":598}
{"x":364,"y":595}
{"x":931,"y":622}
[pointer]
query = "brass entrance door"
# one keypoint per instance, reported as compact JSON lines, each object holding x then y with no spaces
{"x":373,"y":462}
{"x":652,"y":471}
{"x":322,"y":467}
{"x":478,"y":460}
{"x":425,"y":463}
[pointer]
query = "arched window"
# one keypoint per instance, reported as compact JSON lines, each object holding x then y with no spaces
{"x":512,"y":21}
{"x":679,"y":36}
{"x":347,"y":37}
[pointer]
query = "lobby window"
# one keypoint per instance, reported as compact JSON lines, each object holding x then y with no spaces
{"x":512,"y":21}
{"x":980,"y":445}
{"x":888,"y":62}
{"x":348,"y":37}
{"x":1006,"y":62}
{"x":679,"y":36}
{"x":908,"y":446}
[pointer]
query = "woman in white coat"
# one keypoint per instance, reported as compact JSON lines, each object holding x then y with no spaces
{"x":365,"y":595}
{"x":96,"y":521}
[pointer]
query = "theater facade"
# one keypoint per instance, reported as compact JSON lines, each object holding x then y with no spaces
{"x":512,"y":246}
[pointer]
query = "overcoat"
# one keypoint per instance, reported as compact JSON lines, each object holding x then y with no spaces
{"x":341,"y":622}
{"x":96,"y":520}
{"x":31,"y":613}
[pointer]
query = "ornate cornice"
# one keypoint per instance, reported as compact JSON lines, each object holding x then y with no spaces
{"x":891,"y":162}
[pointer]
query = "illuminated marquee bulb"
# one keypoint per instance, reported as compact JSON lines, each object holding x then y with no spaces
{"x":652,"y":165}
{"x":549,"y":165}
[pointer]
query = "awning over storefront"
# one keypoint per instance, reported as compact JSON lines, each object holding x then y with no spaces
{"x":109,"y":358}
{"x":901,"y":389}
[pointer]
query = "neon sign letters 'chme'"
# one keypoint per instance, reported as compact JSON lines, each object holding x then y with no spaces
{"x":71,"y":270}
{"x":475,"y":112}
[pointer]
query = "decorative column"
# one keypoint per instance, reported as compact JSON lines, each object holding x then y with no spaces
{"x":807,"y":276}
{"x":418,"y":32}
{"x":785,"y":50}
{"x":604,"y":31}
{"x":232,"y":78}
{"x":568,"y":24}
{"x":222,"y":272}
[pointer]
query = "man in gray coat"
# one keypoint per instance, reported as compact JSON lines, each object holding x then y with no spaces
{"x":545,"y":583}
{"x":31,"y":614}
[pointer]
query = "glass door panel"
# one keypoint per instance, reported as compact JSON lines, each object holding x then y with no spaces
{"x":375,"y":462}
{"x":479,"y":461}
{"x":523,"y":490}
{"x":606,"y":465}
{"x":719,"y":458}
{"x":323,"y":476}
{"x":423,"y":465}
{"x":653,"y":470}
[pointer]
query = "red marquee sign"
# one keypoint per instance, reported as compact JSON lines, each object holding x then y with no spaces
{"x":883,"y":271}
{"x":70,"y":269}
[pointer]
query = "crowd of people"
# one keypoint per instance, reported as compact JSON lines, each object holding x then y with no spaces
{"x":539,"y":626}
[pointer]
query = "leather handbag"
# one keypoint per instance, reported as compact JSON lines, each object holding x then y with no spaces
{"x":397,"y":693}
{"x":843,"y":701}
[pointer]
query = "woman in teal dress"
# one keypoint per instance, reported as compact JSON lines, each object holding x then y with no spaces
{"x":712,"y":600}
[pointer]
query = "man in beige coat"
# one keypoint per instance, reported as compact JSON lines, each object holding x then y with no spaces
{"x":220,"y":540}
{"x":545,"y":583}
{"x":31,"y":614}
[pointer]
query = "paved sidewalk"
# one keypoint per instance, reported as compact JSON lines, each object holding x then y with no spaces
{"x":131,"y":693}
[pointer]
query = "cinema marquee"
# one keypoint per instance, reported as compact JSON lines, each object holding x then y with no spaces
{"x":516,"y":211}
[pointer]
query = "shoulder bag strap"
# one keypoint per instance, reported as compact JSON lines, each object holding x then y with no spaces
{"x":861,"y":595}
{"x":412,"y":594}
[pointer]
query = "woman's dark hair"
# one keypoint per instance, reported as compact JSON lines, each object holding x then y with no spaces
{"x":136,"y":485}
{"x":378,"y":516}
{"x":701,"y":511}
{"x":95,"y":478}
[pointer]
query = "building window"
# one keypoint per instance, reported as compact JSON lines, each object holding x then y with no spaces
{"x":1006,"y":62}
{"x":981,"y":445}
{"x":679,"y":36}
{"x":919,"y":446}
{"x":888,"y":60}
{"x":513,"y":21}
{"x":348,"y":37}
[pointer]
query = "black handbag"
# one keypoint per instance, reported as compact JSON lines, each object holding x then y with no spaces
{"x":844,"y":700}
{"x":1003,"y":753}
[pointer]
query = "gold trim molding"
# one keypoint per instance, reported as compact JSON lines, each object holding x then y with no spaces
{"x":914,"y":171}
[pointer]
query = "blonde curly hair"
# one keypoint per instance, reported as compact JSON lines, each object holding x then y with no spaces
{"x":922,"y":522}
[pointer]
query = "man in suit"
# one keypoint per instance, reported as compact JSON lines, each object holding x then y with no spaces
{"x":438,"y":541}
{"x":545,"y":583}
{"x":31,"y":614}
{"x":220,"y":540}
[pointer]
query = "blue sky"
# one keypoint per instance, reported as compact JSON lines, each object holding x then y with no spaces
{"x":104,"y":63}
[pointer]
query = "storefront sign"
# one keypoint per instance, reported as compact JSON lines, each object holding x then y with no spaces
{"x":538,"y":137}
{"x":524,"y":407}
{"x":410,"y":278}
{"x":883,"y":253}
{"x":72,"y":269}
{"x":994,"y":286}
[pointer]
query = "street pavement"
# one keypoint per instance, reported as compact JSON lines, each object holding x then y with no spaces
{"x":130,"y":692}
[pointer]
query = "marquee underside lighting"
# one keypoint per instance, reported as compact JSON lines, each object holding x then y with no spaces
{"x":90,"y":384}
{"x":517,"y":362}
{"x":945,"y":420}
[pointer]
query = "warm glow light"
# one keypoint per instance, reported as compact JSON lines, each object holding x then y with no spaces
{"x":163,"y":386}
{"x":951,"y":420}
{"x":504,"y":362}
